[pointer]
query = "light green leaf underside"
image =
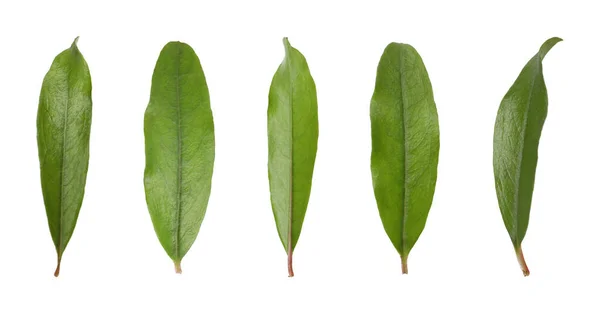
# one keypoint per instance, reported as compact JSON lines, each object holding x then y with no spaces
{"x":180,"y":148}
{"x":63,"y":134}
{"x":405,"y":144}
{"x":293,"y":131}
{"x":517,"y":133}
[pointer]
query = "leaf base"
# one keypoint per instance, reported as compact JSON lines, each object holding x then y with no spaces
{"x":522,"y":262}
{"x":177,"y":267}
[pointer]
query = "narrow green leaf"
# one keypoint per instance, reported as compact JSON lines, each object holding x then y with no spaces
{"x":293,"y":130}
{"x":180,"y":149}
{"x":405,"y":139}
{"x":63,"y":134}
{"x":517,"y":134}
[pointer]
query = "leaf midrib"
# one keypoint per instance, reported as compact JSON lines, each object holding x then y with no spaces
{"x":291,"y":184}
{"x":404,"y":196}
{"x":521,"y":153}
{"x":62,"y":165}
{"x":179,"y":155}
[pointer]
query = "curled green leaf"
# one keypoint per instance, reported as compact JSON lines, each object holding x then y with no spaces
{"x":405,"y":146}
{"x":63,"y":135}
{"x":180,"y":149}
{"x":517,"y":134}
{"x":293,"y":130}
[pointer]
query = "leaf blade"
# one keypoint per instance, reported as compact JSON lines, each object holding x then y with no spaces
{"x":405,"y":145}
{"x":517,"y":133}
{"x":292,"y":122}
{"x":63,"y":132}
{"x":180,"y":149}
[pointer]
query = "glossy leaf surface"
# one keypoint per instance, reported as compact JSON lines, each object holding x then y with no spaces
{"x":180,"y":149}
{"x":63,"y":135}
{"x":293,"y":131}
{"x":517,"y":134}
{"x":405,"y":145}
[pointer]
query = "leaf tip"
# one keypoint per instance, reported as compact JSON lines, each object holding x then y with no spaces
{"x":74,"y":44}
{"x":177,"y":267}
{"x":547,"y":45}
{"x":287,"y":46}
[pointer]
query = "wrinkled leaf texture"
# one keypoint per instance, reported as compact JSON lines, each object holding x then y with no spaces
{"x":180,"y":149}
{"x":517,"y":134}
{"x":63,"y":135}
{"x":405,"y":145}
{"x":293,"y":130}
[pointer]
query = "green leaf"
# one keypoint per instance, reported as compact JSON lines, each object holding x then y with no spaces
{"x":293,"y":130}
{"x":405,"y":139}
{"x":180,"y":149}
{"x":517,"y":134}
{"x":63,"y":134}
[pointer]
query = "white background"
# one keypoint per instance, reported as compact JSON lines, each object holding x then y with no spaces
{"x":344,"y":262}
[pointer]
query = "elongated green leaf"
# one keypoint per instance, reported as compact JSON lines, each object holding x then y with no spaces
{"x":63,"y":134}
{"x":293,"y":129}
{"x":517,"y":134}
{"x":180,"y":149}
{"x":405,"y":139}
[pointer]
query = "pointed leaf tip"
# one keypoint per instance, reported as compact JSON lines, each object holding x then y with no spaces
{"x":74,"y":44}
{"x":547,"y":45}
{"x":286,"y":45}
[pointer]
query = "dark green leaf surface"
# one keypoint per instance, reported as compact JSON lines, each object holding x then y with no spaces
{"x":180,"y":149}
{"x":516,"y":138}
{"x":63,"y":135}
{"x":293,"y":130}
{"x":405,"y":139}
